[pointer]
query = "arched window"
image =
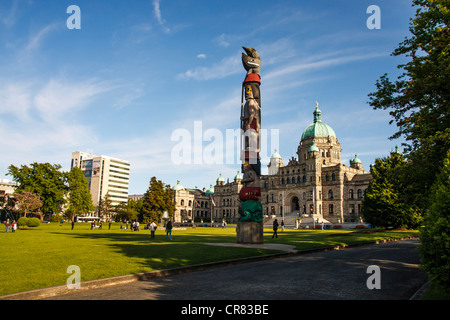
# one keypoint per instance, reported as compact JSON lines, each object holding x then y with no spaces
{"x":350,"y":194}
{"x":182,"y":202}
{"x":288,"y":180}
{"x":299,"y":179}
{"x":330,"y":194}
{"x":190,"y":203}
{"x":333,"y":177}
{"x":360,"y":194}
{"x":304,"y":178}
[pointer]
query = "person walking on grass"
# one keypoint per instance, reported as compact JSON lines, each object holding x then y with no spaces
{"x":275,"y":228}
{"x":169,"y":230}
{"x":152,"y":230}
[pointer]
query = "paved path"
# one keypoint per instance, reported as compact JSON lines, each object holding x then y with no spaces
{"x":337,"y":274}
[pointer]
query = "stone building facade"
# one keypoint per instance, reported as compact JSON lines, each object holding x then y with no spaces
{"x":192,"y":203}
{"x":315,"y":184}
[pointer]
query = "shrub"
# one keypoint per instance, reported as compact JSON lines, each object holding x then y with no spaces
{"x":56,"y":218}
{"x":435,"y":234}
{"x":22,"y":222}
{"x":33,"y":222}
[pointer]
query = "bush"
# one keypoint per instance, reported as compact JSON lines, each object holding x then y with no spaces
{"x":33,"y":222}
{"x":56,"y":218}
{"x":22,"y":222}
{"x":435,"y":234}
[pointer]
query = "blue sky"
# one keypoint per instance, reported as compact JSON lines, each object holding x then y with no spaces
{"x":139,"y":70}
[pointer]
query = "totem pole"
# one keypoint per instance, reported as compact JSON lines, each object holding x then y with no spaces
{"x":250,"y":208}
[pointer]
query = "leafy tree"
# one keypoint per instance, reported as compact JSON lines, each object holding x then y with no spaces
{"x":419,"y":99}
{"x":28,"y":202}
{"x":79,"y":197}
{"x":45,"y":179}
{"x":157,"y":199}
{"x":384,"y":202}
{"x":435,"y":235}
{"x":126,"y":211}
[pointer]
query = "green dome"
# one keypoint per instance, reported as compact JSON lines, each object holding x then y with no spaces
{"x":220,"y":178}
{"x":355,"y":160}
{"x":238,"y":176}
{"x":318,"y":128}
{"x":210,"y":190}
{"x":178,"y":186}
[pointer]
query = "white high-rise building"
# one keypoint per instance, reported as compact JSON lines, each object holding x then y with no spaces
{"x":104,"y":175}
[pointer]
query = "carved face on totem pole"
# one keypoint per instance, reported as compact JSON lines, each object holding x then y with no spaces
{"x":251,"y":61}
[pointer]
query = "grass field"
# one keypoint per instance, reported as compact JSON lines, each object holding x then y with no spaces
{"x":37,"y":258}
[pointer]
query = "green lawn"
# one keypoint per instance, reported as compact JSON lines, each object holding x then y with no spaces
{"x":38,"y":258}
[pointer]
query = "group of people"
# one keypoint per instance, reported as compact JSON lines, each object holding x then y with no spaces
{"x":152,"y":226}
{"x":11,"y":225}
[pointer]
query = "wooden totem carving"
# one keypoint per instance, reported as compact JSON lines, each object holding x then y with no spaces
{"x":251,"y":209}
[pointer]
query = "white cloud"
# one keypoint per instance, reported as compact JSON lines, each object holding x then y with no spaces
{"x":58,"y":98}
{"x":227,"y":66}
{"x":36,"y":40}
{"x":9,"y":17}
{"x":158,"y":16}
{"x":201,"y":56}
{"x":221,"y":40}
{"x":15,"y":99}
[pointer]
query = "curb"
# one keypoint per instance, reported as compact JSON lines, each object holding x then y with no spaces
{"x":45,"y":293}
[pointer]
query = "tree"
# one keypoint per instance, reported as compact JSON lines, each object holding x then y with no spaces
{"x":79,"y":196}
{"x":45,"y":179}
{"x":105,"y":207}
{"x":157,"y":199}
{"x":384,"y":202}
{"x":126,"y":211}
{"x":419,"y":99}
{"x":435,"y":234}
{"x":28,"y":202}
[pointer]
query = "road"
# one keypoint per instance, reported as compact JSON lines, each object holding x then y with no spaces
{"x":329,"y":275}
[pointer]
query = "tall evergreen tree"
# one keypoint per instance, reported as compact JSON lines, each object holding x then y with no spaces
{"x":105,"y":207}
{"x":157,"y":199}
{"x":79,"y":197}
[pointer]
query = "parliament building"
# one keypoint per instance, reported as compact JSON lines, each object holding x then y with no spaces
{"x":314,"y":185}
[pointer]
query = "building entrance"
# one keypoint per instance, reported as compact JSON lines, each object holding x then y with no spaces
{"x":295,"y":204}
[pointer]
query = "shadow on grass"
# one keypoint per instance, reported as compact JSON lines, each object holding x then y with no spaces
{"x":187,"y":248}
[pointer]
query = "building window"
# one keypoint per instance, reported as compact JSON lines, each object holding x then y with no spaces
{"x":333,"y":177}
{"x":330,"y":209}
{"x":330,"y":194}
{"x":360,"y":194}
{"x":350,"y":194}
